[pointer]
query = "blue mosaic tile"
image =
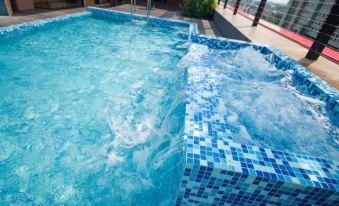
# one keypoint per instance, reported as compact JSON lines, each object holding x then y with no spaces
{"x":220,"y":171}
{"x":313,"y":84}
{"x":36,"y":25}
{"x":208,"y":148}
{"x":151,"y":20}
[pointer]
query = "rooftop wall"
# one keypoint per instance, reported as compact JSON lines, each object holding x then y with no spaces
{"x":220,"y":171}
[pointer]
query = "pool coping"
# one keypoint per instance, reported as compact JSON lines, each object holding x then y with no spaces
{"x":40,"y":22}
{"x":326,"y":175}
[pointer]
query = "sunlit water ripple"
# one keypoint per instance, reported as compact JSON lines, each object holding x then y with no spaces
{"x":91,"y":114}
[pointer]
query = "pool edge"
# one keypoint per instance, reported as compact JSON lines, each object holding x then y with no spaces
{"x":309,"y":175}
{"x":316,"y":86}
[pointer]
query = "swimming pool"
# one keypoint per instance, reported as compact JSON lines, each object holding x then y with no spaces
{"x":100,"y":109}
{"x":91,"y":112}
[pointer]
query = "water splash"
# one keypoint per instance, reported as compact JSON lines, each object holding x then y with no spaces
{"x":263,"y":105}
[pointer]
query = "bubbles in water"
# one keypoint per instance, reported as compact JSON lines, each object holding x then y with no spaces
{"x":253,"y":60}
{"x":262,"y":105}
{"x":114,"y":158}
{"x":64,"y":194}
{"x":101,"y":122}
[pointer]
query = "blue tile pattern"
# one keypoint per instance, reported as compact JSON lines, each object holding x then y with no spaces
{"x":218,"y":170}
{"x":36,"y":25}
{"x":154,"y":21}
{"x":316,"y":86}
{"x":3,"y":8}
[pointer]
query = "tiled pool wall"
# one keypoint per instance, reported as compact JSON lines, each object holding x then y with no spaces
{"x":155,"y":21}
{"x":219,"y":171}
{"x":3,"y":8}
{"x":313,"y":85}
{"x":216,"y":170}
{"x":34,"y":26}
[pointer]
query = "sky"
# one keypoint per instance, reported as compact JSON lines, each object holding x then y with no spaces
{"x":279,"y":1}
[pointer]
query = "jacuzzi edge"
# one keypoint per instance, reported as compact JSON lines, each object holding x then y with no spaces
{"x":317,"y":86}
{"x":316,"y":183}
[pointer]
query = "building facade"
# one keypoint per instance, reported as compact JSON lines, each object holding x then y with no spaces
{"x":306,"y":18}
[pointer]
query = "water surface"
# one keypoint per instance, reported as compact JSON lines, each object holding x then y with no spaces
{"x":91,"y":113}
{"x":264,"y":106}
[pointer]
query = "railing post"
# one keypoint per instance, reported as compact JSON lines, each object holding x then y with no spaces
{"x":236,"y":7}
{"x":259,"y":12}
{"x":325,"y":33}
{"x":225,"y":4}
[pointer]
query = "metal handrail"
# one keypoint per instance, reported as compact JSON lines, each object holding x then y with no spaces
{"x":133,"y":7}
{"x":149,"y":7}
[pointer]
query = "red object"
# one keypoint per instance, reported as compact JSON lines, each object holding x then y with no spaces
{"x":328,"y":52}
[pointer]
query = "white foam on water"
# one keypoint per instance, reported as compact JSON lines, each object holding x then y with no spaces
{"x":65,"y":194}
{"x":251,"y":59}
{"x":114,"y":158}
{"x":262,"y":104}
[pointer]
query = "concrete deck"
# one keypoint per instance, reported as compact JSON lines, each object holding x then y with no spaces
{"x":324,"y":68}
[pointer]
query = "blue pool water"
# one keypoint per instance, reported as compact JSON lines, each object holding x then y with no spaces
{"x":264,"y":106}
{"x":91,"y":113}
